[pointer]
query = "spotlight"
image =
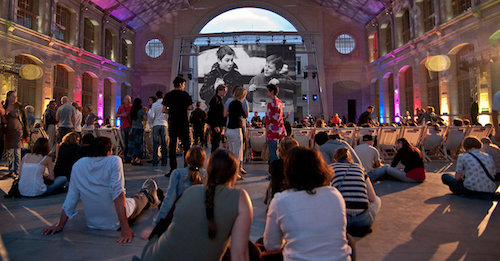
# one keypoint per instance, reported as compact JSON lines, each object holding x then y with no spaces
{"x":315,"y":97}
{"x":304,"y":97}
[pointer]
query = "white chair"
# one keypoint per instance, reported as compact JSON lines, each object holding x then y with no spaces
{"x":413,"y":134}
{"x":480,"y":131}
{"x":303,"y":136}
{"x":257,"y":139}
{"x":386,"y":140}
{"x":453,"y":141}
{"x":432,"y":141}
{"x":349,"y":134}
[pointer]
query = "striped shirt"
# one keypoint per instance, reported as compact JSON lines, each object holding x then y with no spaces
{"x":349,"y":179}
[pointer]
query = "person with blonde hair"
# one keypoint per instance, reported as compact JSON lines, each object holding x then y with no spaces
{"x":67,"y":155}
{"x":234,"y":131}
{"x":362,"y":204}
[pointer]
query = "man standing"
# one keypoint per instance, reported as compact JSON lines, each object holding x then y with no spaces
{"x":66,"y":118}
{"x":124,"y":114}
{"x":198,"y":119}
{"x":78,"y":118}
{"x":256,"y":121}
{"x":494,"y":115}
{"x":177,"y":102}
{"x":216,"y":119}
{"x":275,"y":126}
{"x":366,"y":117}
{"x":49,"y":123}
{"x":98,"y":182}
{"x":159,"y":122}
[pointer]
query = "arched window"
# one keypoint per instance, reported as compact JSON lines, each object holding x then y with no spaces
{"x":390,"y":91}
{"x":460,"y":6}
{"x":372,"y":46}
{"x":26,"y":89}
{"x":88,"y":82}
{"x":406,"y":86}
{"x":464,"y":85}
{"x":428,"y":15}
{"x":387,"y":37}
{"x":432,"y":84}
{"x":88,"y":36}
{"x":125,"y":52}
{"x":109,"y":45}
{"x":27,"y":13}
{"x":108,"y":84}
{"x":61,"y":82}
{"x":63,"y":24}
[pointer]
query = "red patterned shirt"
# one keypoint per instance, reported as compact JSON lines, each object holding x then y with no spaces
{"x":275,"y":127}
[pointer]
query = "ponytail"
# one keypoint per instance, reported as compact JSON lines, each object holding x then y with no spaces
{"x":194,"y":176}
{"x":209,"y":209}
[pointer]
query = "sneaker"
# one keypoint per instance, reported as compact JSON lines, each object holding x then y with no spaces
{"x":149,"y":187}
{"x":243,"y":171}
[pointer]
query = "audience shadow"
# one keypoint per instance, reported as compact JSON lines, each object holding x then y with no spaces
{"x":386,"y":186}
{"x":456,"y":220}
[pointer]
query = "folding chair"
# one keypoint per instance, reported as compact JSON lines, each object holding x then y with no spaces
{"x":257,"y":140}
{"x":480,"y":131}
{"x":303,"y":136}
{"x":387,"y":137}
{"x":432,"y":141}
{"x":349,"y":134}
{"x":108,"y":132}
{"x":121,"y":144}
{"x":37,"y":133}
{"x":373,"y":131}
{"x":453,"y":141}
{"x":413,"y":134}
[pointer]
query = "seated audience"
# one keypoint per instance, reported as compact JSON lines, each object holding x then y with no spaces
{"x":207,"y":217}
{"x":370,"y":157}
{"x":458,"y":122}
{"x":180,"y":180}
{"x":336,"y":121}
{"x":277,"y":183}
{"x":362,"y":204}
{"x":98,"y":181}
{"x":411,"y":158}
{"x":332,"y":143}
{"x":84,"y":149}
{"x":475,"y":171}
{"x":308,"y":220}
{"x":32,"y":181}
{"x":494,"y":151}
{"x":67,"y":155}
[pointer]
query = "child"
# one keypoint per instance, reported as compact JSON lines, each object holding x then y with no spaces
{"x":271,"y":74}
{"x":223,"y":72}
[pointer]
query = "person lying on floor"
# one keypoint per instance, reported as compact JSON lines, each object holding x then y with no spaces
{"x":475,"y":172}
{"x":98,"y":181}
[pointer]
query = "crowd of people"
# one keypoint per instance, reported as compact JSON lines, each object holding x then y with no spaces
{"x":316,"y":196}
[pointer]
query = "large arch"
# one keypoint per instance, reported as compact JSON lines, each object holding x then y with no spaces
{"x":108,"y":103}
{"x":64,"y":82}
{"x":389,"y":104}
{"x":29,"y":91}
{"x":406,"y":91}
{"x":461,"y":93}
{"x":429,"y":86}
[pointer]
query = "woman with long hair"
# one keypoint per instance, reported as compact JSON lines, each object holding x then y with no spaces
{"x":310,"y":215}
{"x":137,"y":115}
{"x":15,"y":131}
{"x":362,"y":204}
{"x":32,"y":181}
{"x":67,"y":154}
{"x":411,"y":157}
{"x":209,"y":216}
{"x":180,"y":180}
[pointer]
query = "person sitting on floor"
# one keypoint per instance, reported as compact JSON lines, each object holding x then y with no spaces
{"x":98,"y":181}
{"x":494,"y":151}
{"x":180,"y":180}
{"x":209,"y":216}
{"x":309,"y":218}
{"x":84,"y":149}
{"x":370,"y":157}
{"x":362,"y":204}
{"x":32,"y":181}
{"x":411,"y":158}
{"x":67,"y":155}
{"x":332,"y":144}
{"x":475,"y":172}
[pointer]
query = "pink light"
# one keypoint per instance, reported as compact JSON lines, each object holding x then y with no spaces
{"x":397,"y":109}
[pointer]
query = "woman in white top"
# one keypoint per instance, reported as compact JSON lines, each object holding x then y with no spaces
{"x":310,"y":216}
{"x":32,"y":179}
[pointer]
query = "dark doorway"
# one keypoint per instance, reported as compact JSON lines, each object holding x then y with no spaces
{"x":351,"y":110}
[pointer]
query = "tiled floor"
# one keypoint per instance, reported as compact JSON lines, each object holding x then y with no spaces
{"x":416,"y":222}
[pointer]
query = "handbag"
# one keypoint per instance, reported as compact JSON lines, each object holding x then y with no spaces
{"x":482,"y":165}
{"x":14,"y":190}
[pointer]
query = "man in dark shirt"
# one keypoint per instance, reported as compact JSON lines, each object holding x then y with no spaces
{"x":198,"y":119}
{"x":177,"y":103}
{"x":256,"y":121}
{"x":366,"y":117}
{"x":216,"y":119}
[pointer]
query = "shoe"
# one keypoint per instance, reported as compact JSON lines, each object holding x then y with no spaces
{"x":243,"y":171}
{"x":150,"y":188}
{"x":136,"y":163}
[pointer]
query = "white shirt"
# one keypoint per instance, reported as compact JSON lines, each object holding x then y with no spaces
{"x":496,"y":102}
{"x":97,"y":182}
{"x":475,"y":177}
{"x":313,"y":226}
{"x":368,"y":155}
{"x":155,"y":116}
{"x":78,"y":120}
{"x":31,"y":179}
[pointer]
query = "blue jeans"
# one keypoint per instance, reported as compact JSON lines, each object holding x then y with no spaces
{"x":160,"y":139}
{"x":125,"y":136}
{"x":14,"y":156}
{"x":366,"y":218}
{"x":273,"y":147}
{"x":59,"y":182}
{"x":135,"y":142}
{"x":377,"y":173}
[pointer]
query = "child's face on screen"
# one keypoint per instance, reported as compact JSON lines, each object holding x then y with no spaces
{"x":227,"y":62}
{"x":269,"y":69}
